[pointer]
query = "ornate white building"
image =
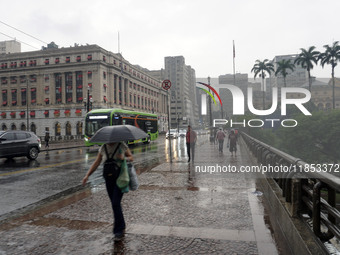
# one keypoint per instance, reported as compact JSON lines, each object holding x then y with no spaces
{"x":52,"y":89}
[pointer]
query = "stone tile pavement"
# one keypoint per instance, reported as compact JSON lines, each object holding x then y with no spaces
{"x":178,"y":209}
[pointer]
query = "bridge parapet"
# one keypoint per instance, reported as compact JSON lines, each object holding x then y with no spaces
{"x":308,"y":191}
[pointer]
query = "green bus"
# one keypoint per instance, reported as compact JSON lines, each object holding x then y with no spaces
{"x":98,"y":118}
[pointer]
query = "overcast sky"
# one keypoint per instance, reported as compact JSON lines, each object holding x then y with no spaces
{"x":202,"y":31}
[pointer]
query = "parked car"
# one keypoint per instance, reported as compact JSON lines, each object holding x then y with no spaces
{"x":173,"y":134}
{"x":15,"y":143}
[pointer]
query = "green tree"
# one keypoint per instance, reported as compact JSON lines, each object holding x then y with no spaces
{"x":316,"y":139}
{"x":306,"y":59}
{"x":331,"y":56}
{"x":261,"y":68}
{"x":282,"y":69}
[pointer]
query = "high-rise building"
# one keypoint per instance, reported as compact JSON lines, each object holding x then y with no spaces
{"x":183,"y":105}
{"x":12,"y":46}
{"x":295,"y":78}
{"x":47,"y":89}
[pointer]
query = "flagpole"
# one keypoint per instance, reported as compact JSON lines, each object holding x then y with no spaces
{"x":118,"y":43}
{"x":234,"y":62}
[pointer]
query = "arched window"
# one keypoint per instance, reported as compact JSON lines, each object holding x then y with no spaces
{"x":79,"y":128}
{"x":13,"y":127}
{"x":23,"y":127}
{"x":68,"y":128}
{"x":57,"y":129}
{"x":3,"y":127}
{"x":320,"y":106}
{"x":33,"y":128}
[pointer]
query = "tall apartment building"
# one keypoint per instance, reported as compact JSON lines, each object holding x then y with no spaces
{"x":183,"y":105}
{"x":7,"y":47}
{"x":297,"y":78}
{"x":47,"y":89}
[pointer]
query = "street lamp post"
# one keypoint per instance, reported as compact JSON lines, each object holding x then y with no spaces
{"x":88,"y":100}
{"x":27,"y":113}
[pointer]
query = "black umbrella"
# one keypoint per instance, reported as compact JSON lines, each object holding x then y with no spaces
{"x":118,"y":133}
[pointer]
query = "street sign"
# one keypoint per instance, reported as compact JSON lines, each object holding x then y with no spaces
{"x":166,"y":84}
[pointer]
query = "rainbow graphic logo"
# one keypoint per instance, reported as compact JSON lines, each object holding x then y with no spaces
{"x":204,"y":101}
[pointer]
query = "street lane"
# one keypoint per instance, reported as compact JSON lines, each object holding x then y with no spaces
{"x":25,"y":182}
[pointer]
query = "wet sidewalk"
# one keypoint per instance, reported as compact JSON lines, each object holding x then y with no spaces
{"x":179,"y":208}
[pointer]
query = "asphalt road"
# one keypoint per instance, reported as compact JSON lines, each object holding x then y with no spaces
{"x":25,"y":183}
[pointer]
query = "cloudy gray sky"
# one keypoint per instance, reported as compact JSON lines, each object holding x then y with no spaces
{"x":202,"y":31}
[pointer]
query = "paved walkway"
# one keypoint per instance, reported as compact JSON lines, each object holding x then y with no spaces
{"x":177,"y":210}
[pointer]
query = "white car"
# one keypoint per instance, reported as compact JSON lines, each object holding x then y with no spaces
{"x":173,"y":134}
{"x":182,"y":132}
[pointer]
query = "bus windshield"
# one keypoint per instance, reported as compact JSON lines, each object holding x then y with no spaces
{"x":95,"y":122}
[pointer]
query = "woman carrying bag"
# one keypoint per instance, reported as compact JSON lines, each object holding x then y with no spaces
{"x":114,"y":156}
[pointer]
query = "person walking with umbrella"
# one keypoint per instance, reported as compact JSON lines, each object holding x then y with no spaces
{"x":114,"y":150}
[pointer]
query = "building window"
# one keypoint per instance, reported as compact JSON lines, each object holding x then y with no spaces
{"x":33,"y":96}
{"x":58,"y":84}
{"x":13,"y":80}
{"x":78,"y":58}
{"x":89,"y":57}
{"x":79,"y":86}
{"x":23,"y":96}
{"x":104,"y":58}
{"x":68,"y":60}
{"x":4,"y":97}
{"x":68,"y":87}
{"x":57,"y":129}
{"x":47,"y":61}
{"x":68,"y":128}
{"x":89,"y":74}
{"x":14,"y":97}
{"x":33,"y":78}
{"x":79,"y":128}
{"x":57,"y":60}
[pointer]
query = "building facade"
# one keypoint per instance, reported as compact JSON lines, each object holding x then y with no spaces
{"x":296,"y":78}
{"x":183,"y":105}
{"x":52,"y":89}
{"x":7,"y":47}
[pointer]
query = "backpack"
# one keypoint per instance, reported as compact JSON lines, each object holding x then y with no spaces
{"x":111,"y":168}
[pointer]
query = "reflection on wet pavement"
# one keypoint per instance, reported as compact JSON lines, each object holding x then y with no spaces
{"x":176,"y":210}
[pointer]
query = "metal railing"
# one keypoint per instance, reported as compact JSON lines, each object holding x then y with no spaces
{"x":305,"y":187}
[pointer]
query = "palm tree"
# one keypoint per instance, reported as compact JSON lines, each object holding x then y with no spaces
{"x":261,"y":68}
{"x":306,"y":59}
{"x":282,"y":68}
{"x":331,"y":56}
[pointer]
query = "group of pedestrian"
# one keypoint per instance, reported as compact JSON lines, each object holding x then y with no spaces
{"x":232,"y":139}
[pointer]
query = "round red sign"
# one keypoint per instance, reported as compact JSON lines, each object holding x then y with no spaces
{"x":166,"y":84}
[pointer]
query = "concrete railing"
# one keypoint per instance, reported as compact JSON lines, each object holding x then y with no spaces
{"x":308,"y":189}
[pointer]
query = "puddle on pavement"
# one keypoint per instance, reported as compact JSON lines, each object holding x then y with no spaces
{"x":69,"y":224}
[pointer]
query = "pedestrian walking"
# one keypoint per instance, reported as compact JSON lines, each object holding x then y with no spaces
{"x":115,"y":152}
{"x":220,"y":135}
{"x":191,"y":138}
{"x":232,"y":139}
{"x":47,"y":139}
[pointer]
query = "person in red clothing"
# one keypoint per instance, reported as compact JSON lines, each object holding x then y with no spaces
{"x":191,"y":138}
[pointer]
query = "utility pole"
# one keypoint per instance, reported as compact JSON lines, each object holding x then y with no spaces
{"x":27,"y":113}
{"x":210,"y":115}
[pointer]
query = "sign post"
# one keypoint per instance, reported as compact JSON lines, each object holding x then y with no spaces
{"x":166,"y":84}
